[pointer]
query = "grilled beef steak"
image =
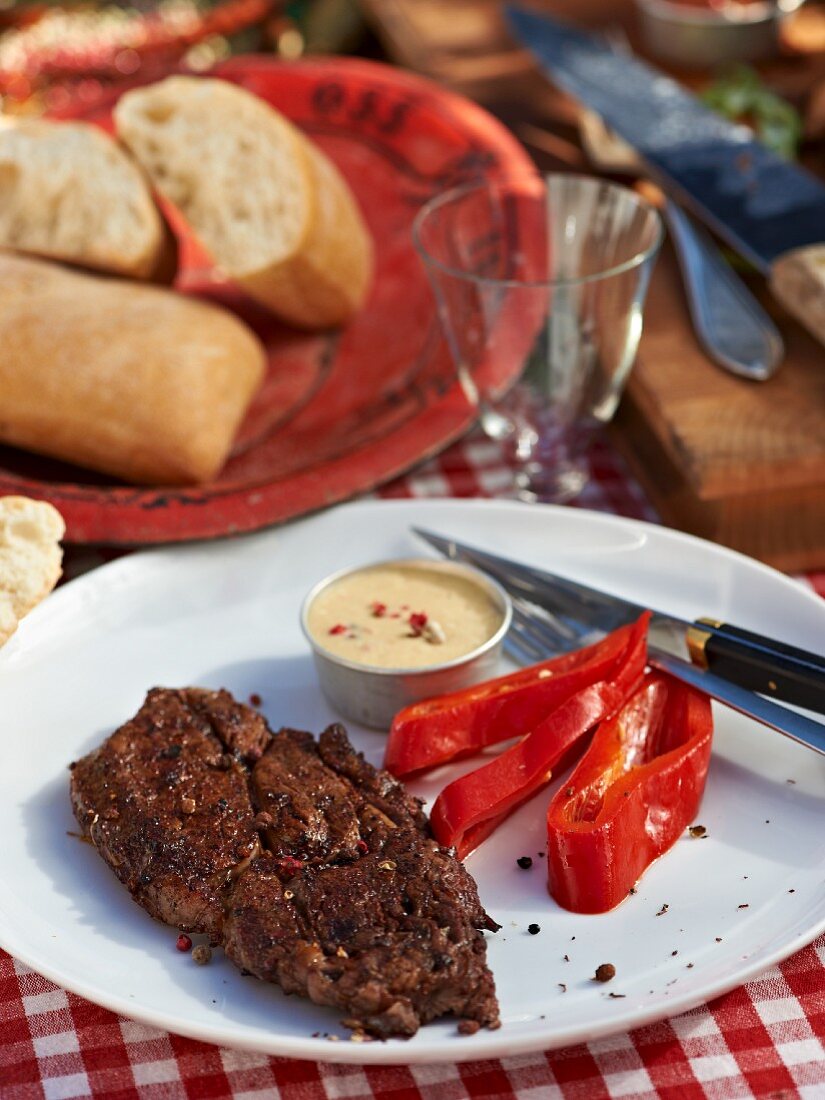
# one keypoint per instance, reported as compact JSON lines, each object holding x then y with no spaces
{"x":385,"y":925}
{"x":167,"y":804}
{"x":317,"y":871}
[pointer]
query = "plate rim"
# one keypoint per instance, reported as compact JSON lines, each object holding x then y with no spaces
{"x":493,"y":1045}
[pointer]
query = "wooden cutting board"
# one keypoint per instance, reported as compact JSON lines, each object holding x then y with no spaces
{"x":738,"y":462}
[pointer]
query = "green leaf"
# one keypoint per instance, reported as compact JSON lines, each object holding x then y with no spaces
{"x":740,"y":95}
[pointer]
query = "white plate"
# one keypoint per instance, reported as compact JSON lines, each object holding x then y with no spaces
{"x":226,"y":614}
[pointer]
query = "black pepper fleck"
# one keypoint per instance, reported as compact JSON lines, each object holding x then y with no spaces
{"x":524,"y":862}
{"x":533,"y":929}
{"x":663,"y":910}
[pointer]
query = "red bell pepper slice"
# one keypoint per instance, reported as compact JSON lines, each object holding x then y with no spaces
{"x":449,"y":727}
{"x":468,"y":810}
{"x":632,"y":795}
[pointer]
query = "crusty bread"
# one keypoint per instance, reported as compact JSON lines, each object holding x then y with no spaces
{"x":30,"y":557}
{"x":69,"y":192}
{"x":273,"y":211}
{"x":130,"y":379}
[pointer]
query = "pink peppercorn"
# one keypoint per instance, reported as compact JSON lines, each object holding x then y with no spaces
{"x":417,"y":621}
{"x":184,"y":942}
{"x":289,"y":863}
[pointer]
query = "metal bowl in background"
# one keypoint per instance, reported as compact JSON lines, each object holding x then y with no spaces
{"x":372,"y":695}
{"x":703,"y":36}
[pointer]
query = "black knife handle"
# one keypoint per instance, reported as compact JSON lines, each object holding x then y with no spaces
{"x":772,"y":668}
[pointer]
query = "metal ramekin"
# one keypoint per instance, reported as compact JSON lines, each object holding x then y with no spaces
{"x":702,"y":37}
{"x":372,"y":696}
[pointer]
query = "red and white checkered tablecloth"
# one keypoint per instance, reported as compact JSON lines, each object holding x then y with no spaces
{"x":764,"y":1039}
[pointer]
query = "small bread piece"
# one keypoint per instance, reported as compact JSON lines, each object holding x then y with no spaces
{"x":273,"y":211}
{"x":69,"y":192}
{"x":139,"y":382}
{"x":30,"y":557}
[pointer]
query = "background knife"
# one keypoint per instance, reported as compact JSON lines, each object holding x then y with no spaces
{"x":770,"y":211}
{"x":760,"y":664}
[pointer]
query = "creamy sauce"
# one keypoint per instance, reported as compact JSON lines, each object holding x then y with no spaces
{"x":403,"y":615}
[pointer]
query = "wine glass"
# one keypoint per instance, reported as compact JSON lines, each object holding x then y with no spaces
{"x":540,"y":283}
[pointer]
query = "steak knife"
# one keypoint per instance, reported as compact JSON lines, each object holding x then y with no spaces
{"x":768,"y":210}
{"x":741,"y":657}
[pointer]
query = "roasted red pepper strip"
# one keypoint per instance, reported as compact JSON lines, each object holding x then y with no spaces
{"x":631,"y":796}
{"x":470,"y":808}
{"x":464,"y":722}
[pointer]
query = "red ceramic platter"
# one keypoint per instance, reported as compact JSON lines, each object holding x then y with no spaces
{"x":340,"y":412}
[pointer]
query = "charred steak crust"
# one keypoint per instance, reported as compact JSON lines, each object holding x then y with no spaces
{"x":344,"y":897}
{"x":168,"y":807}
{"x":381,"y":789}
{"x":391,"y":940}
{"x":308,"y":812}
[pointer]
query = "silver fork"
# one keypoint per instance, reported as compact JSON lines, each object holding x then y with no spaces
{"x":536,"y":633}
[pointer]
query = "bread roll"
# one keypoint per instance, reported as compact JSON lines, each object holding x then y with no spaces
{"x":130,"y":379}
{"x":69,"y":192}
{"x":30,"y":557}
{"x":273,"y":211}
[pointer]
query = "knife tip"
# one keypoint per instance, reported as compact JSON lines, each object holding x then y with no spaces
{"x":438,"y":542}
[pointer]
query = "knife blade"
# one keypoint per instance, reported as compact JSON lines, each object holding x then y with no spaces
{"x":770,"y":211}
{"x":752,"y":661}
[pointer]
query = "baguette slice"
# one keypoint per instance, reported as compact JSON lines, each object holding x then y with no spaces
{"x":69,"y":192}
{"x":273,"y":211}
{"x":30,"y":557}
{"x":134,"y":380}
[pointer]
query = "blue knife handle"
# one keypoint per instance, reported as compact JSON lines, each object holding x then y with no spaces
{"x":772,"y":668}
